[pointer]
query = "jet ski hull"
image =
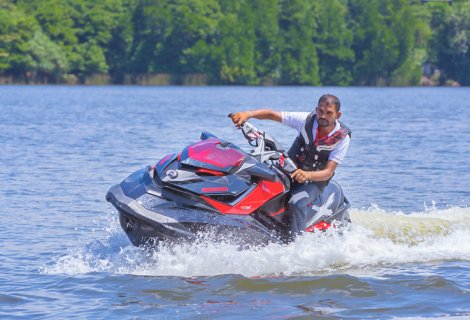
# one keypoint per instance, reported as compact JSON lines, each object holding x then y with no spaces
{"x":149,"y":219}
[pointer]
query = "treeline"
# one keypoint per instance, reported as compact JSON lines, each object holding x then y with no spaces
{"x":288,"y":42}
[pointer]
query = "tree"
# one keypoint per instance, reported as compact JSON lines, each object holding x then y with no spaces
{"x":119,"y":46}
{"x":299,"y":59}
{"x":16,"y":30}
{"x":450,"y":44}
{"x":50,"y":62}
{"x":267,"y":59}
{"x":384,"y":38}
{"x":333,"y":40}
{"x":169,"y":36}
{"x":236,"y":43}
{"x":81,"y":28}
{"x":293,"y":42}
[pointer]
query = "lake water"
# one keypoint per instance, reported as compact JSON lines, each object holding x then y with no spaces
{"x":63,"y":254}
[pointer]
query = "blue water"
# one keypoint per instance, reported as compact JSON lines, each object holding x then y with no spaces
{"x":63,"y":255}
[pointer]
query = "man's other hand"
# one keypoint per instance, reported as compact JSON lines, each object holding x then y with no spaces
{"x":299,"y":176}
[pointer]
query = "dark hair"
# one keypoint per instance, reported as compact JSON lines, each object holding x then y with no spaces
{"x":330,"y":99}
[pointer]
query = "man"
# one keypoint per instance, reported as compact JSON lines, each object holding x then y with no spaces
{"x":319,"y":148}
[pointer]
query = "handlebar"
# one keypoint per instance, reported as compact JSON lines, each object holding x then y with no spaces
{"x":250,"y":132}
{"x":267,"y":148}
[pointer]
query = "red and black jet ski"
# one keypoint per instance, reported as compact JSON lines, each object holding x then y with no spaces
{"x":214,"y":187}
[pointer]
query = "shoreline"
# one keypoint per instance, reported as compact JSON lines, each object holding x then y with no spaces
{"x":190,"y":80}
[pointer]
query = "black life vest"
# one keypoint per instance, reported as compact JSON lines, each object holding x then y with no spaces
{"x":311,"y":155}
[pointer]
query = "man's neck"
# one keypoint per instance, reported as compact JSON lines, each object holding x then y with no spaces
{"x":324,"y":131}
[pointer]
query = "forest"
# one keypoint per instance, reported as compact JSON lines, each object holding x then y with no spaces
{"x":240,"y":42}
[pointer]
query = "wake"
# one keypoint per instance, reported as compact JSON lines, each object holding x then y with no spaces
{"x":376,"y":239}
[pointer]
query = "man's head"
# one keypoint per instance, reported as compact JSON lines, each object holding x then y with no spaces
{"x":328,"y":110}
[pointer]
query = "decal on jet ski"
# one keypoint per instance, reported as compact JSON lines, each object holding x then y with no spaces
{"x":264,"y":191}
{"x":210,"y":152}
{"x":215,"y":189}
{"x":165,"y":159}
{"x":324,"y":210}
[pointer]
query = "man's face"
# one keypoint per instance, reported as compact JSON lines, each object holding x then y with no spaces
{"x":327,"y":115}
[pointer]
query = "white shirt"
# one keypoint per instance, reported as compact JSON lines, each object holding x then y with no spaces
{"x":296,"y":120}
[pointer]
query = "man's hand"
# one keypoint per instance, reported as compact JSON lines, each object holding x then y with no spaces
{"x":239,"y":118}
{"x":302,"y":176}
{"x":299,"y":176}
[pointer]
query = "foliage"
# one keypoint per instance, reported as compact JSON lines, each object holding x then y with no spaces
{"x":291,"y":42}
{"x":16,"y":29}
{"x":299,"y":63}
{"x":450,"y":46}
{"x":334,"y":43}
{"x":384,"y":37}
{"x":49,"y":59}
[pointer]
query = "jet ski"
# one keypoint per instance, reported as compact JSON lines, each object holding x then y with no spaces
{"x":213,"y":187}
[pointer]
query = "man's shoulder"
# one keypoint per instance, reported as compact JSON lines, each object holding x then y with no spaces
{"x":294,"y":115}
{"x":344,"y":127}
{"x":294,"y":119}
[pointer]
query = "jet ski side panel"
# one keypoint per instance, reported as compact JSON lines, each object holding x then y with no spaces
{"x":145,"y":216}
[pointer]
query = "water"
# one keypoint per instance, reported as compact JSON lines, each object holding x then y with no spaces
{"x":63,"y":255}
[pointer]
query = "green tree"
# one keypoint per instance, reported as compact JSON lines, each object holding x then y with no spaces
{"x":410,"y":71}
{"x":56,"y":18}
{"x":450,"y":44}
{"x":16,"y":30}
{"x":374,"y":46}
{"x":236,"y":44}
{"x":169,"y":36}
{"x":333,"y":40}
{"x":50,"y":62}
{"x":193,"y":22}
{"x":81,"y":28}
{"x":267,"y":59}
{"x":384,"y":38}
{"x":298,"y":27}
{"x":118,"y":51}
{"x":294,"y":42}
{"x":406,"y":69}
{"x":150,"y":24}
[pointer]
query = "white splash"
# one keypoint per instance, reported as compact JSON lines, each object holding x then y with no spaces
{"x":377,"y":238}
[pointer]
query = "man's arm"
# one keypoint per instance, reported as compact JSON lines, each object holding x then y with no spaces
{"x":302,"y":176}
{"x":239,"y":118}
